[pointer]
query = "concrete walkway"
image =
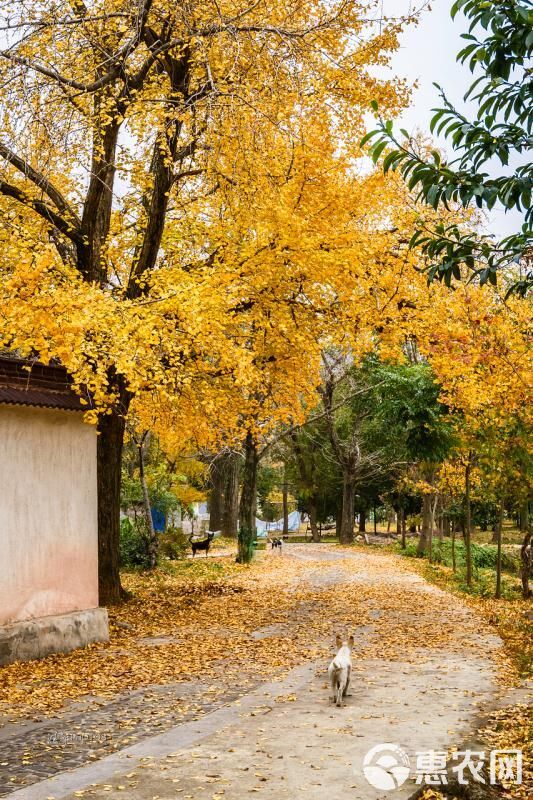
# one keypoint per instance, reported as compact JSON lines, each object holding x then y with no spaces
{"x":286,"y":739}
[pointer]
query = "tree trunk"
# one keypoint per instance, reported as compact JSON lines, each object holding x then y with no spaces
{"x":217,"y":479}
{"x":423,"y":542}
{"x":231,"y":497}
{"x":498,"y":591}
{"x":440,"y":518}
{"x":468,"y":526}
{"x":524,"y":516}
{"x":404,"y":528}
{"x":109,"y":456}
{"x":527,"y":560}
{"x":494,"y":539}
{"x":97,"y":209}
{"x":285,"y":492}
{"x":375,"y":521}
{"x":152,"y":536}
{"x":454,"y":562}
{"x":248,"y":501}
{"x":348,"y":510}
{"x":312,"y":506}
{"x":398,"y":522}
{"x":433,"y":511}
{"x":362,"y":520}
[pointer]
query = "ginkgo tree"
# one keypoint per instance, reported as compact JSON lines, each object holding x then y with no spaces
{"x":115,"y":116}
{"x":480,"y":353}
{"x":322,"y":261}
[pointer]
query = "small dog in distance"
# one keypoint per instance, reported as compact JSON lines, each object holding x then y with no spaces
{"x":340,"y":669}
{"x":277,"y":544}
{"x":204,"y":544}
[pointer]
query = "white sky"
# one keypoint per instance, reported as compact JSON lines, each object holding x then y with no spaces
{"x":427,"y":55}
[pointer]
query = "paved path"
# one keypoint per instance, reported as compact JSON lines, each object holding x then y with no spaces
{"x":411,"y":687}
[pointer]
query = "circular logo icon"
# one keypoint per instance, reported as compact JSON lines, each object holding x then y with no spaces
{"x":386,"y":766}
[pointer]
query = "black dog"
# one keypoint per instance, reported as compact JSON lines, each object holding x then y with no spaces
{"x":205,"y":544}
{"x":277,"y":543}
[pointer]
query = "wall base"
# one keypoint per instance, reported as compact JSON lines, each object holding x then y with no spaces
{"x":37,"y":638}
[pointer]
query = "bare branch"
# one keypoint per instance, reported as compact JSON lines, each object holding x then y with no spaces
{"x":118,"y":60}
{"x":56,"y":76}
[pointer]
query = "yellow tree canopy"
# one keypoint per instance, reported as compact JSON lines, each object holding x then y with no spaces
{"x":479,"y":347}
{"x":121,"y":117}
{"x":322,"y":260}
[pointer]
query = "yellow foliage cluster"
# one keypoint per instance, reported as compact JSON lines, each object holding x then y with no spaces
{"x":184,"y":221}
{"x":478,"y":345}
{"x":190,"y":221}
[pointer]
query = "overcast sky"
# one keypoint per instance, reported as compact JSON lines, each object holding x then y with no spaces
{"x":427,"y":55}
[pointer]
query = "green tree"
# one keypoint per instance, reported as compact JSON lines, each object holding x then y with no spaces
{"x":409,"y":425}
{"x":348,"y":412}
{"x":489,"y":150}
{"x":314,"y":473}
{"x":269,"y":478}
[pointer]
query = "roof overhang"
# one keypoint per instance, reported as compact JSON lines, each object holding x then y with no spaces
{"x":29,"y":383}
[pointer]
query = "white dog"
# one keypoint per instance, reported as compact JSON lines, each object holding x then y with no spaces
{"x":339,"y":671}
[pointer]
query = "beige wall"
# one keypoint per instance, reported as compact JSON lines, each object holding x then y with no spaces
{"x":48,"y":513}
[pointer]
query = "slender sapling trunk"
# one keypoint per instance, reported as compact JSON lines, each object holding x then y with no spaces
{"x":152,"y":536}
{"x":468,"y":524}
{"x":285,"y":493}
{"x":498,"y":592}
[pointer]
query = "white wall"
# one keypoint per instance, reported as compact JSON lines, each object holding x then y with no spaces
{"x":48,"y":513}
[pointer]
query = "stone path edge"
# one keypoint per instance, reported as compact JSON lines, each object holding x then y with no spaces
{"x":178,"y":737}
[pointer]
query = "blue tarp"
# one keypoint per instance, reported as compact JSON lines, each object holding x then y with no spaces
{"x":159,"y":520}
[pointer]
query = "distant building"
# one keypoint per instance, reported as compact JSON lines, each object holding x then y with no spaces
{"x":48,"y":516}
{"x":198,"y":522}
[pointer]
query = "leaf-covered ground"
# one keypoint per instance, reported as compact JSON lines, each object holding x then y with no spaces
{"x":511,"y":616}
{"x":213,"y":622}
{"x":512,"y":725}
{"x":183,"y":620}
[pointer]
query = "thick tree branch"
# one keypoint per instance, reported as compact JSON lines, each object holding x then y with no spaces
{"x":41,"y":208}
{"x":39,"y":180}
{"x":166,"y":154}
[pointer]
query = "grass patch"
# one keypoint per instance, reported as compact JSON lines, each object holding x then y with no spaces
{"x":306,"y":539}
{"x":224,"y":543}
{"x":483,"y":556}
{"x":191,"y":570}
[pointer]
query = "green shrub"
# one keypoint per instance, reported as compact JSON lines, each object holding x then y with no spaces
{"x":173,"y":544}
{"x":133,"y":547}
{"x":410,"y":549}
{"x":511,"y":562}
{"x":483,"y":556}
